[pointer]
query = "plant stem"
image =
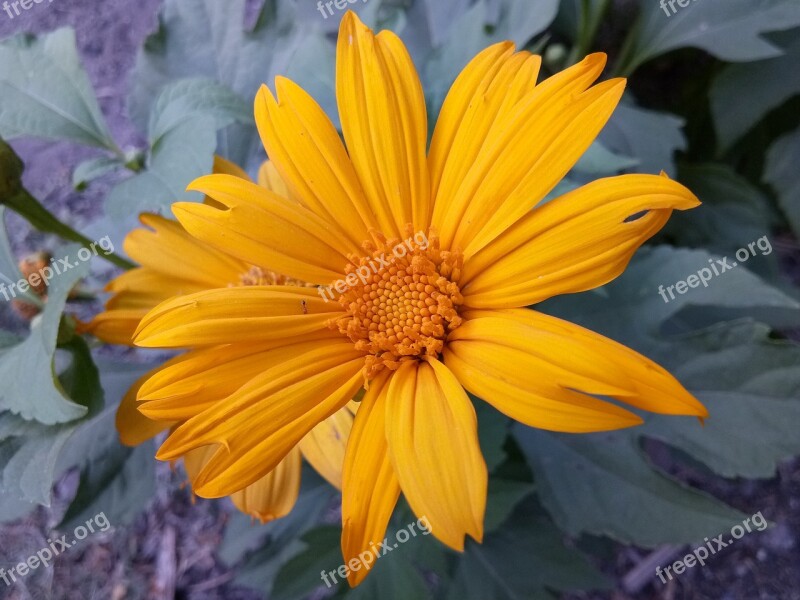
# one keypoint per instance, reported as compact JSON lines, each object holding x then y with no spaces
{"x":588,"y":24}
{"x":14,"y":195}
{"x":37,"y":215}
{"x":627,"y":61}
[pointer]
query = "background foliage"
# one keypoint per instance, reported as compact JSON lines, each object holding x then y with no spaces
{"x":712,"y":101}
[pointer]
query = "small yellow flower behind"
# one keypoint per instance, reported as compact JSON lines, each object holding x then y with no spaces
{"x":174,"y":263}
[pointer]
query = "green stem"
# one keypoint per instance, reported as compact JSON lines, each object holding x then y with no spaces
{"x":42,"y":219}
{"x":588,"y":24}
{"x":627,"y":62}
{"x":18,"y":199}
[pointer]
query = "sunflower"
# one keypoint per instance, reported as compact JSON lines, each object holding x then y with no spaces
{"x":434,"y":321}
{"x":175,"y":263}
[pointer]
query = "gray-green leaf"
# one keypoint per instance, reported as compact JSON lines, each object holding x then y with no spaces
{"x":183,"y":154}
{"x":46,"y":93}
{"x":743,"y":94}
{"x":782,"y":173}
{"x":31,"y":388}
{"x":728,"y":29}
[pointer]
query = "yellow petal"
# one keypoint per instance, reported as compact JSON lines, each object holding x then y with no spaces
{"x":170,"y":251}
{"x":432,"y":434}
{"x":133,"y":427}
{"x":541,"y":371}
{"x":264,"y":229}
{"x":223,"y":166}
{"x":114,"y":326}
{"x":201,"y":378}
{"x":655,"y":389}
{"x":269,"y":178}
{"x":525,"y":153}
{"x":144,"y":287}
{"x":553,"y":94}
{"x":370,"y":489}
{"x":574,"y":243}
{"x":274,"y":495}
{"x":384,"y":121}
{"x":474,"y":79}
{"x":307,"y":151}
{"x":520,"y":189}
{"x":263,"y":420}
{"x":324,"y":446}
{"x":480,"y":101}
{"x":247,"y":314}
{"x":271,"y":497}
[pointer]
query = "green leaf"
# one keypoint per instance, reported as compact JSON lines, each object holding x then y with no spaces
{"x":600,"y":484}
{"x":731,"y":30}
{"x":115,"y":480}
{"x":522,"y":561}
{"x":493,"y":428}
{"x":9,"y":272}
{"x":392,"y":578}
{"x":504,"y":495}
{"x":599,"y":160}
{"x":91,"y":169}
{"x":485,"y":23}
{"x":266,"y":548}
{"x":651,"y":137}
{"x":11,"y":169}
{"x":12,"y":505}
{"x":631,"y":309}
{"x":301,"y":575}
{"x":206,"y":38}
{"x":733,"y":213}
{"x":46,"y":93}
{"x":182,"y":133}
{"x":313,"y":67}
{"x":29,"y":474}
{"x":28,"y":390}
{"x":520,"y":20}
{"x":184,"y":99}
{"x":743,"y":94}
{"x":183,"y":154}
{"x":750,"y":385}
{"x":781,"y":172}
{"x":438,"y":16}
{"x":7,"y":340}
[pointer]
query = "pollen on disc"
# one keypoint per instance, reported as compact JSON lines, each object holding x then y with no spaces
{"x":405,"y":310}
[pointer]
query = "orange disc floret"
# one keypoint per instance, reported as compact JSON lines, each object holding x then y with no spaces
{"x":405,"y":309}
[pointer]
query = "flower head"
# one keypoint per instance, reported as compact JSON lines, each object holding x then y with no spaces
{"x":423,"y":330}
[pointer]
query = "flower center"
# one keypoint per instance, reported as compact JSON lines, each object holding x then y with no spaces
{"x":404,"y":302}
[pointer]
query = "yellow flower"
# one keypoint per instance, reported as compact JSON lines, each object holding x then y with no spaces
{"x":174,"y":263}
{"x":446,"y":317}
